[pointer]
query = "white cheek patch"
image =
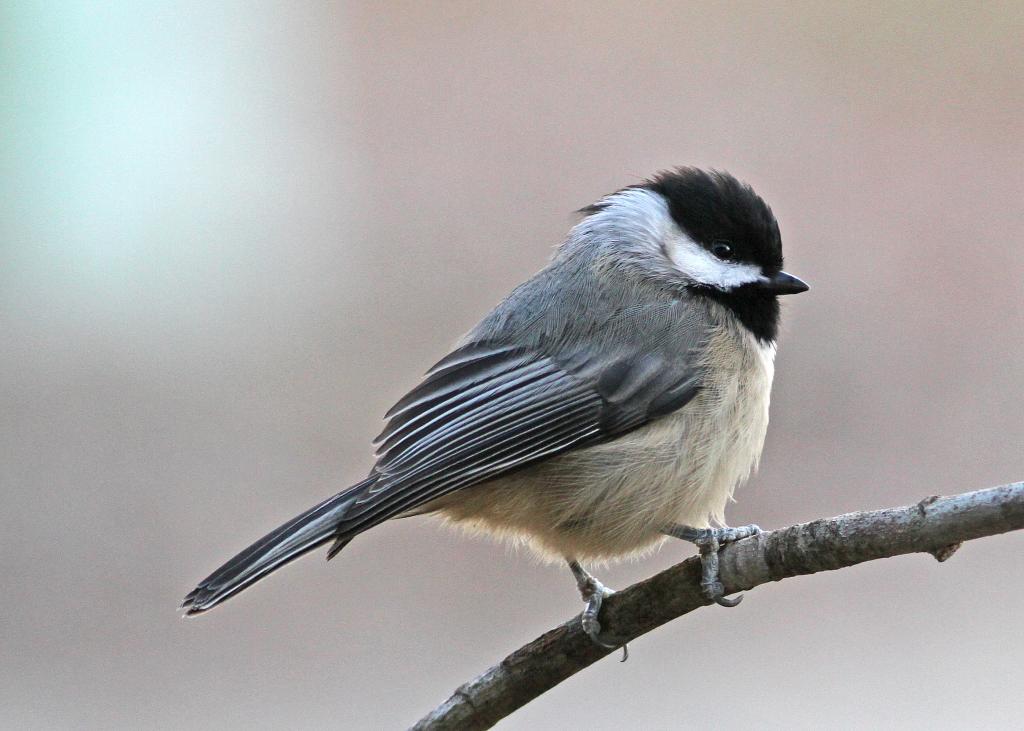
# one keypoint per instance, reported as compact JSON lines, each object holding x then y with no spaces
{"x":703,"y":267}
{"x":640,"y":218}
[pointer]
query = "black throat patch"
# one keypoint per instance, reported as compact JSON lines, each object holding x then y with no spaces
{"x":756,"y":311}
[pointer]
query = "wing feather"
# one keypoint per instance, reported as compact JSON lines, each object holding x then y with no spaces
{"x":462,"y":368}
{"x":487,"y":410}
{"x":532,"y":416}
{"x":406,"y":439}
{"x":502,"y":456}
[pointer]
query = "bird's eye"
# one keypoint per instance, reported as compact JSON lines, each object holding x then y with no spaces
{"x":722,"y":250}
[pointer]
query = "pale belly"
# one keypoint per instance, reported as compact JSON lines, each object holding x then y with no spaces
{"x":612,"y":500}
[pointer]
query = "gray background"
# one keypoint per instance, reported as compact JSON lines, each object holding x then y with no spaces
{"x":234,"y":234}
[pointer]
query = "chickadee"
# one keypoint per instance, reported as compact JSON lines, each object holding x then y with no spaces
{"x":617,"y":397}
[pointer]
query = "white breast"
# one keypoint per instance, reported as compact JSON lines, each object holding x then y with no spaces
{"x":611,"y":500}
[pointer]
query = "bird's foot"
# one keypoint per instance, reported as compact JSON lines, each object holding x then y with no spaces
{"x":709,"y":541}
{"x":593,"y":593}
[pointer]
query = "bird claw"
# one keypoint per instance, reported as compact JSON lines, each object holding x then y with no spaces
{"x":709,"y":541}
{"x":593,"y":593}
{"x":591,"y":625}
{"x":723,"y":601}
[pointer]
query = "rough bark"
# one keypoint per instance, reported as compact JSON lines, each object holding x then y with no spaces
{"x":936,"y":525}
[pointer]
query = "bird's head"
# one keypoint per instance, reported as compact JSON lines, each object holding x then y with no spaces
{"x":704,"y":231}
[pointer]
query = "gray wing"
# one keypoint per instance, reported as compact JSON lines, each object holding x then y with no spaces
{"x":487,"y":410}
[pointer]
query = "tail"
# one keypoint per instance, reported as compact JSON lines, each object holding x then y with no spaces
{"x":298,"y":536}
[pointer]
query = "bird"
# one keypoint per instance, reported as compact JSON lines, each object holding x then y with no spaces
{"x":612,"y":401}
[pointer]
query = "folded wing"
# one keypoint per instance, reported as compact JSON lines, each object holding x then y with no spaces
{"x":487,"y":410}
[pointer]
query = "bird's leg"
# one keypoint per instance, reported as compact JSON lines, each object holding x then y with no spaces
{"x":708,"y":542}
{"x":593,"y":593}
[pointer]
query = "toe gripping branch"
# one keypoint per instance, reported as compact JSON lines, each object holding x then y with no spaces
{"x":709,"y":541}
{"x":593,"y":593}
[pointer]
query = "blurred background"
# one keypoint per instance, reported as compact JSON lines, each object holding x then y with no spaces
{"x":234,"y":233}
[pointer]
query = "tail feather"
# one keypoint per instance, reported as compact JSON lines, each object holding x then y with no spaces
{"x":301,"y":534}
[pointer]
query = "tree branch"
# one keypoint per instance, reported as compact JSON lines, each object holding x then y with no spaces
{"x":936,"y":525}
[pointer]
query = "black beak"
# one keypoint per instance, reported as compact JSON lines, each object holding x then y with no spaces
{"x":782,"y":283}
